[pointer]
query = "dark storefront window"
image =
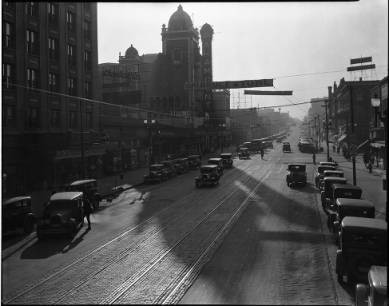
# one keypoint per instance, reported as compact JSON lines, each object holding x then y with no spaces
{"x":55,"y":118}
{"x":32,"y":42}
{"x":8,"y":35}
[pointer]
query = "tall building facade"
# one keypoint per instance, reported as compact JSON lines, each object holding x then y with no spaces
{"x":49,"y":60}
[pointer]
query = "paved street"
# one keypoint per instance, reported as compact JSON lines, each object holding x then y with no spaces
{"x":260,"y":241}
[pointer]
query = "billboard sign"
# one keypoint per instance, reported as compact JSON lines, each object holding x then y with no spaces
{"x":242,"y":84}
{"x":268,"y":92}
{"x":361,"y":67}
{"x":360,"y":60}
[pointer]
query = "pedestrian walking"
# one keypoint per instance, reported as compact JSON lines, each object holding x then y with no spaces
{"x":262,"y":153}
{"x":87,"y":211}
{"x":370,"y":166}
{"x":314,"y":158}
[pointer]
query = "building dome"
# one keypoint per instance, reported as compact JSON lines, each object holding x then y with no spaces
{"x":131,"y":52}
{"x":206,"y":30}
{"x":180,"y":21}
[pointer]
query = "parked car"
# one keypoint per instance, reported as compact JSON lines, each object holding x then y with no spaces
{"x":227,"y":160}
{"x":157,"y":173}
{"x":374,"y":293}
{"x":218,"y":162}
{"x":296,"y":175}
{"x":286,"y":147}
{"x":341,"y":191}
{"x":170,"y":169}
{"x":326,"y":183}
{"x":194,"y":161}
{"x":17,"y":215}
{"x":244,"y":153}
{"x":347,"y":207}
{"x":63,"y":214}
{"x":334,"y":164}
{"x":181,"y":165}
{"x":363,"y":243}
{"x":319,"y":173}
{"x":209,"y":175}
{"x":89,"y":188}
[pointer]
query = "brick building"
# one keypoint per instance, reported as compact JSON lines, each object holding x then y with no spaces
{"x":49,"y":54}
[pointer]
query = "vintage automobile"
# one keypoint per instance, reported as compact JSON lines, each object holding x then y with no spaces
{"x":334,"y":164}
{"x":170,"y":169}
{"x":243,"y":153}
{"x":307,"y":147}
{"x":286,"y":147}
{"x":63,"y":214}
{"x":194,"y":161}
{"x":362,"y":244}
{"x":89,"y":188}
{"x":296,"y":175}
{"x":218,"y":162}
{"x":181,"y":165}
{"x":341,"y":191}
{"x":209,"y":175}
{"x":325,"y":185}
{"x":17,"y":215}
{"x":227,"y":160}
{"x":347,"y":207}
{"x":157,"y":173}
{"x":319,"y":173}
{"x":374,"y":293}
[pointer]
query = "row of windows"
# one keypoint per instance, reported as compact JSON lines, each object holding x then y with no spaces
{"x":33,"y":118}
{"x":32,"y":78}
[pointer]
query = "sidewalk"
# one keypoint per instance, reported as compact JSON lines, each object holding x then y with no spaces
{"x":371,"y":183}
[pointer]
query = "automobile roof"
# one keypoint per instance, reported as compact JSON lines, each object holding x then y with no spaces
{"x":80,"y":182}
{"x":208,"y":166}
{"x":243,"y":148}
{"x":378,"y":277}
{"x":194,"y":155}
{"x":346,"y":202}
{"x":333,"y":171}
{"x":156,"y":165}
{"x":214,"y":158}
{"x":366,"y":223}
{"x":70,"y":195}
{"x":345,"y":186}
{"x":225,"y":154}
{"x":334,"y":178}
{"x":16,"y":199}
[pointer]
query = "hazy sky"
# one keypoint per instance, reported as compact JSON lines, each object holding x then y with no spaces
{"x":256,"y":40}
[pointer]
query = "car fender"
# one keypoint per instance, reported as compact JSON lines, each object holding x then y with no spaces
{"x":361,"y":294}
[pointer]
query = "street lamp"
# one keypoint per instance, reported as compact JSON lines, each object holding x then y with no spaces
{"x":149,"y":123}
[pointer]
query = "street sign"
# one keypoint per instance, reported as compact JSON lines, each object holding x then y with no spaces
{"x":268,"y":93}
{"x":360,"y":60}
{"x":242,"y":84}
{"x":361,"y":67}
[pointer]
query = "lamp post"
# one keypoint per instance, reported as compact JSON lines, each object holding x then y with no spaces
{"x":149,"y":124}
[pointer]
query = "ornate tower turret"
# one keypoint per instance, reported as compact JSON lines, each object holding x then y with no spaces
{"x":206,"y":39}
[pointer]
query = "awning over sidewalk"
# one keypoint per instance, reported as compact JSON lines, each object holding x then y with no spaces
{"x":361,"y":146}
{"x":342,"y":138}
{"x":378,"y":144}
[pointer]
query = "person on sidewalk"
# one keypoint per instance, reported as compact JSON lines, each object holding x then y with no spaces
{"x":314,"y":158}
{"x":87,"y":211}
{"x":262,"y":153}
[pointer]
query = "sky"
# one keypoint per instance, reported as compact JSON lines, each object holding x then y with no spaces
{"x":258,"y":40}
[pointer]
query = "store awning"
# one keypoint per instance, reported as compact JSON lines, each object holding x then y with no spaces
{"x":361,"y":146}
{"x":378,"y":144}
{"x":342,"y":138}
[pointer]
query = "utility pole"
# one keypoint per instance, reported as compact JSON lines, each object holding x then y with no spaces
{"x":328,"y":149}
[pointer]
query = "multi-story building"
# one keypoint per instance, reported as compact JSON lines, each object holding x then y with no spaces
{"x":349,"y":112}
{"x":49,"y":61}
{"x":316,"y":117}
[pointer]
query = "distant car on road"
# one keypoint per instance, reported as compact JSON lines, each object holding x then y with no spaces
{"x":363,"y":243}
{"x":374,"y":293}
{"x":209,"y":175}
{"x":218,"y":162}
{"x":157,"y":173}
{"x":89,"y":188}
{"x":63,"y":214}
{"x":194,"y":161}
{"x":244,"y":153}
{"x":286,"y":147}
{"x":227,"y":159}
{"x":17,"y":215}
{"x":170,"y":169}
{"x":297,"y":174}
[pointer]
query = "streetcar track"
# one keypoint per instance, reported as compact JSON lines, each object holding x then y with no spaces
{"x":127,"y":232}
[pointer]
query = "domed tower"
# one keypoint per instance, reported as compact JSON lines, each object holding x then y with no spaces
{"x":180,"y":42}
{"x":206,"y":39}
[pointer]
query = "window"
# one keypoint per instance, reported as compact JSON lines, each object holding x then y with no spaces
{"x":55,"y":118}
{"x":31,"y":8}
{"x":53,"y":48}
{"x":52,"y":12}
{"x":8,"y":39}
{"x":8,"y":72}
{"x":32,"y":78}
{"x":71,"y":86}
{"x":33,"y":117}
{"x":70,"y":21}
{"x":9,"y":115}
{"x":87,"y":60}
{"x":72,"y":119}
{"x":31,"y":42}
{"x":52,"y":81}
{"x":87,"y":89}
{"x":87,"y":29}
{"x":177,"y":56}
{"x":71,"y":54}
{"x":88,"y":120}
